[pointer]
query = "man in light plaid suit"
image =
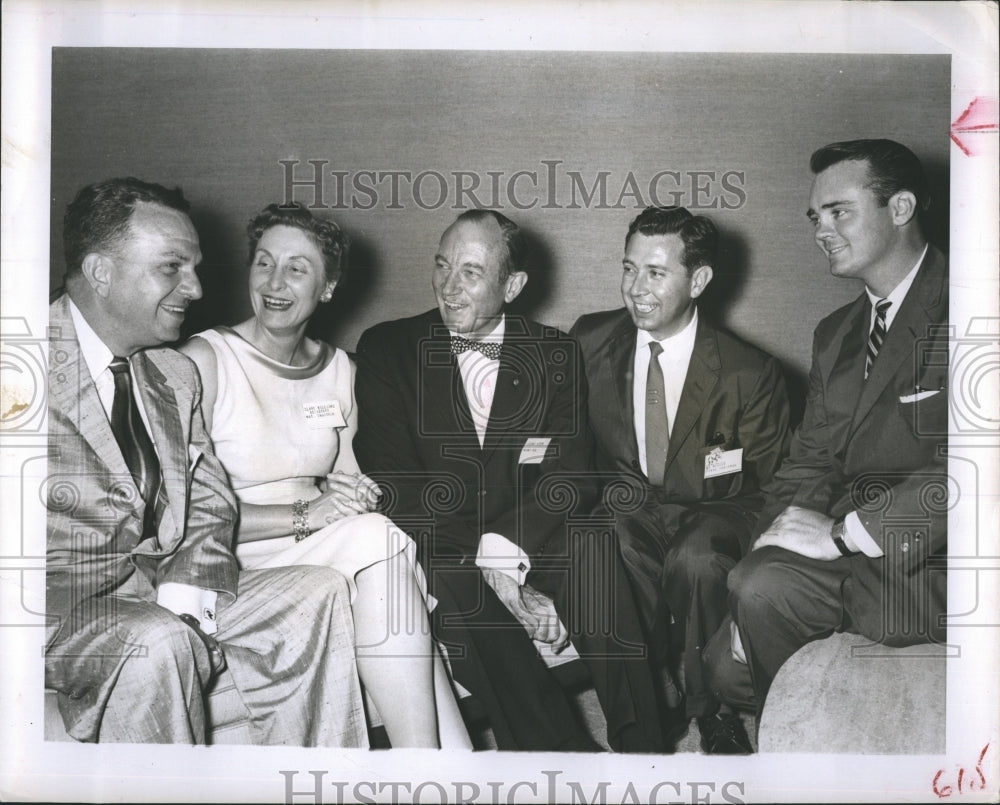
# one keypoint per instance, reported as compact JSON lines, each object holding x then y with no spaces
{"x":146,"y":606}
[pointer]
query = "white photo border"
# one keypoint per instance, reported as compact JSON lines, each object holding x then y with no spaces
{"x":31,"y":769}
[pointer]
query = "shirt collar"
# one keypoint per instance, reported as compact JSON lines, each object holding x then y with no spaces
{"x":95,"y":351}
{"x":495,"y":336}
{"x":899,"y":292}
{"x":674,"y":343}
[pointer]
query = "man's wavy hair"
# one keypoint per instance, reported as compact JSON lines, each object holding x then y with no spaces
{"x":97,"y":219}
{"x":698,"y":233}
{"x":891,"y":167}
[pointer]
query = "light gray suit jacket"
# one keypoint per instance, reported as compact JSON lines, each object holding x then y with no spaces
{"x":95,"y":545}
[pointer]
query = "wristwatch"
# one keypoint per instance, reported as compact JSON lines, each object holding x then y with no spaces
{"x":837,"y":533}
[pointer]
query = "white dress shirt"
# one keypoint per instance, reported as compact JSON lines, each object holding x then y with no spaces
{"x":177,"y":597}
{"x":479,"y":378}
{"x":674,"y":361}
{"x":897,"y":295}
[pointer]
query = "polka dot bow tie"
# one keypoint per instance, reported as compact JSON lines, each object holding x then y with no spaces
{"x":490,"y":350}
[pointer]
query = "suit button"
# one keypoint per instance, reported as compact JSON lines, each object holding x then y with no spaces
{"x":635,"y":463}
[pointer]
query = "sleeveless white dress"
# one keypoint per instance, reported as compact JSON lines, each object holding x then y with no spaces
{"x":278,"y":430}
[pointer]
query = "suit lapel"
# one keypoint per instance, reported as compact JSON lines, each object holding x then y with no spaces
{"x":919,"y":307}
{"x":169,"y":432}
{"x":444,"y":409}
{"x":847,"y":374}
{"x":620,"y":365}
{"x":74,"y":393}
{"x":702,"y":375}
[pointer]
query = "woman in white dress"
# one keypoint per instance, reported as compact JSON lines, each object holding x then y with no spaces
{"x":280,"y":409}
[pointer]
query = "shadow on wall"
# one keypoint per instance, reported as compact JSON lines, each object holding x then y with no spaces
{"x":936,"y":219}
{"x":729,"y":277}
{"x":223,"y":275}
{"x":725,"y":289}
{"x":540,"y":266}
{"x":354,"y":292}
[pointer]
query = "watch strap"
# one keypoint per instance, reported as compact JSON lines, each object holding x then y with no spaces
{"x":837,"y":533}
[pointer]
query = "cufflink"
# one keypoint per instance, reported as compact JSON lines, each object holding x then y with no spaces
{"x":522,"y":567}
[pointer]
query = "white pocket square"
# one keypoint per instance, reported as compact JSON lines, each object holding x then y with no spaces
{"x":195,"y":455}
{"x":919,"y":395}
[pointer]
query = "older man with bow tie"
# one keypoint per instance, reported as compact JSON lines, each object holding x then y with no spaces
{"x":475,"y":424}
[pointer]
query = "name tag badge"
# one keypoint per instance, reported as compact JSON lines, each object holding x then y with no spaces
{"x":321,"y":415}
{"x":534,"y":450}
{"x":723,"y":462}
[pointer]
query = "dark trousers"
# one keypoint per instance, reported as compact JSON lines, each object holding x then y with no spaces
{"x":782,"y":600}
{"x":494,"y":658}
{"x":728,"y":678}
{"x":678,"y":558}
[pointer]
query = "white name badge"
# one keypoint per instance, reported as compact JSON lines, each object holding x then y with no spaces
{"x":324,"y":415}
{"x":534,"y":450}
{"x":723,"y":462}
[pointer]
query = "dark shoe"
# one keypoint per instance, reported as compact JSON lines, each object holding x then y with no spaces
{"x":631,"y":739}
{"x":675,"y":726}
{"x":723,"y":734}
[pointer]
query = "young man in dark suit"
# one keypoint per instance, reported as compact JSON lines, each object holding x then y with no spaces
{"x":700,"y":428}
{"x":853,"y":536}
{"x":474,"y":424}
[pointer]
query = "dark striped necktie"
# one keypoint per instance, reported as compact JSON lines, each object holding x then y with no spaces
{"x":132,"y":438}
{"x":657,"y":426}
{"x":877,"y":335}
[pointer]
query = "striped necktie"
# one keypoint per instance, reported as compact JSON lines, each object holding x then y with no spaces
{"x":877,"y":335}
{"x":134,"y":441}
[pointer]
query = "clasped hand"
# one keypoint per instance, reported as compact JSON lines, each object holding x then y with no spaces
{"x":535,"y":610}
{"x":802,"y":531}
{"x":343,"y":494}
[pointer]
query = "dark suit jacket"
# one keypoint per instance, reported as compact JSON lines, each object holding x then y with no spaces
{"x":868,"y":445}
{"x":95,"y":544}
{"x":416,"y":435}
{"x":733,"y":396}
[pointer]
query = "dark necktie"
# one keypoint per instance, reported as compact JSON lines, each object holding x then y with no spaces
{"x":132,"y":438}
{"x":490,"y":349}
{"x":877,"y":335}
{"x":657,"y":433}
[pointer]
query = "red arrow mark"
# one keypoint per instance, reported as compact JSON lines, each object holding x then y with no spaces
{"x":979,"y":117}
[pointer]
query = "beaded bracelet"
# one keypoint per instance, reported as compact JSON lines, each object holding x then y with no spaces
{"x":300,"y":519}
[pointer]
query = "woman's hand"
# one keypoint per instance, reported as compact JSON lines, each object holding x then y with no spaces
{"x":355,"y":489}
{"x":344,"y":494}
